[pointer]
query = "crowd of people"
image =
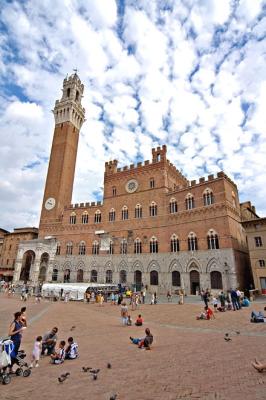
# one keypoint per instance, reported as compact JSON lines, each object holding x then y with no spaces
{"x":59,"y":351}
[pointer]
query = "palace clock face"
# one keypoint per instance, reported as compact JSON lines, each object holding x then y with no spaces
{"x":131,"y":186}
{"x":50,"y":203}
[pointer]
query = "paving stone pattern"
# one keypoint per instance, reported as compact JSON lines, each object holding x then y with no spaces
{"x":189,"y":360}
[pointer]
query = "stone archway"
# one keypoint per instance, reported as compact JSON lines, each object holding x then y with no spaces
{"x":27,"y":263}
{"x":194,"y":281}
{"x":43,"y":266}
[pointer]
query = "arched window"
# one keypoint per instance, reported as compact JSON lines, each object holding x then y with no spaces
{"x":152,"y":183}
{"x":109,"y":276}
{"x":114,"y":190}
{"x":94,"y":276}
{"x":80,"y":275}
{"x":213,"y":241}
{"x":153,"y":209}
{"x":123,"y":276}
{"x":82,"y":248}
{"x":176,"y":278}
{"x":69,"y":248}
{"x":124,"y":213}
{"x":67,"y":276}
{"x":111,"y":247}
{"x":138,"y":211}
{"x":97,"y":217}
{"x":55,"y":275}
{"x":154,"y":278}
{"x":216,"y":280}
{"x":173,"y":206}
{"x":174,"y":244}
{"x":85,"y":217}
{"x":207,"y":197}
{"x":72,"y":218}
{"x":58,"y":249}
{"x":137,"y":246}
{"x":190,"y":202}
{"x":153,"y":245}
{"x":95,"y":247}
{"x":192,"y":242}
{"x":123,"y":246}
{"x":112,"y":215}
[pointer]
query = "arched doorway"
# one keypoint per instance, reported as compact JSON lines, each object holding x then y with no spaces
{"x":194,"y":281}
{"x":27,"y":262}
{"x":43,"y":266}
{"x":80,"y":275}
{"x":137,"y":280}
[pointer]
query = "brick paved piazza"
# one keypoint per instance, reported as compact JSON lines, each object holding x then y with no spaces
{"x":189,"y":359}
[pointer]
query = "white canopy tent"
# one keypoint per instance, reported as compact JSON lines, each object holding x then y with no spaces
{"x":75,"y":291}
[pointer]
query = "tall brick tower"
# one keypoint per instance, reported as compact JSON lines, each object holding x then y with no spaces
{"x":69,"y":117}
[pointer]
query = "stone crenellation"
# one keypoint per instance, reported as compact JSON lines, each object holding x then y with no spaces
{"x":84,"y":205}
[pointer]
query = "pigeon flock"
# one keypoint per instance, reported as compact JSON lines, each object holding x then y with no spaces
{"x":94,"y":373}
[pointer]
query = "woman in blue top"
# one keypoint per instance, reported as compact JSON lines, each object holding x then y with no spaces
{"x":15,"y":332}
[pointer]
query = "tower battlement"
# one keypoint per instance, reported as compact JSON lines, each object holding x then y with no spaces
{"x":69,"y":108}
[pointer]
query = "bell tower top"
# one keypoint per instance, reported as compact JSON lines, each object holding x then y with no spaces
{"x":69,"y":108}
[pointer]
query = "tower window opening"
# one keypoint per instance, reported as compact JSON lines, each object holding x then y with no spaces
{"x":68,"y":92}
{"x":77,"y":95}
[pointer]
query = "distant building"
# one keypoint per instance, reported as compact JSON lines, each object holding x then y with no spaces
{"x":154,"y":228}
{"x":9,"y":243}
{"x":256,"y":236}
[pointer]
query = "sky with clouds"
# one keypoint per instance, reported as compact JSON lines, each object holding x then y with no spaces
{"x":186,"y":73}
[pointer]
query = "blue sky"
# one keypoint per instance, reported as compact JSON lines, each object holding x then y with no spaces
{"x":186,"y":73}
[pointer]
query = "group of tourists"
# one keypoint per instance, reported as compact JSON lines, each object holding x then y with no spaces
{"x":232,"y":300}
{"x":45,"y":344}
{"x":64,"y":351}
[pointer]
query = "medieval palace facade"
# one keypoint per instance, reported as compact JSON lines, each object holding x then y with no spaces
{"x":153,"y":227}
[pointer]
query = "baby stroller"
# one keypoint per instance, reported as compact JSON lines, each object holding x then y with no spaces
{"x":6,"y":348}
{"x":23,"y":368}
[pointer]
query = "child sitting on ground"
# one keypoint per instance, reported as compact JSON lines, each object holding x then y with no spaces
{"x":58,"y":357}
{"x":139,"y":320}
{"x":71,"y":350}
{"x":129,"y":320}
{"x":36,"y":352}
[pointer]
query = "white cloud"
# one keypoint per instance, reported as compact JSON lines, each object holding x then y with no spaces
{"x":139,"y":91}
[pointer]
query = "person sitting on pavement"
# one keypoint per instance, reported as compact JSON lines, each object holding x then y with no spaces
{"x":258,"y":316}
{"x":245,"y":302}
{"x":58,"y":357}
{"x":139,"y":320}
{"x":72,"y":349}
{"x":49,"y":341}
{"x":143,"y":343}
{"x":206,"y":314}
